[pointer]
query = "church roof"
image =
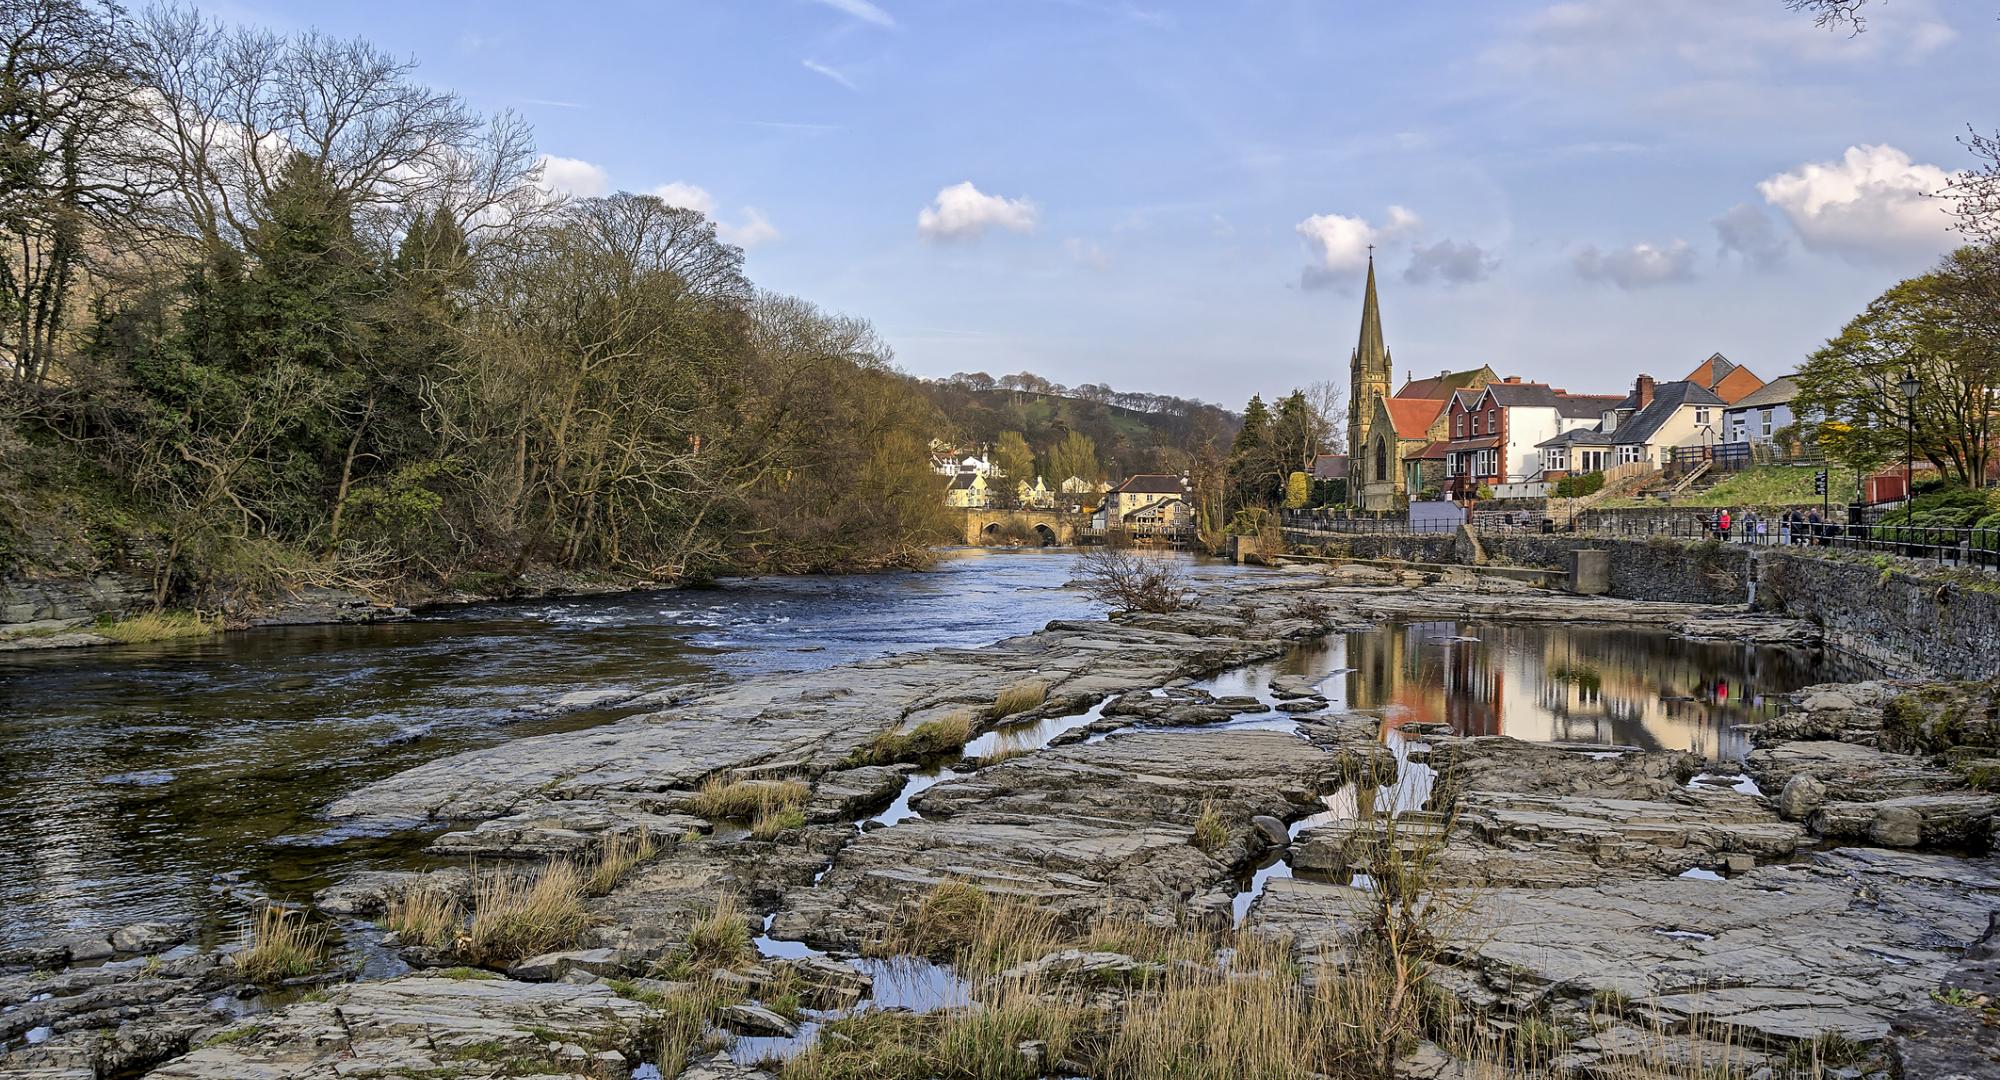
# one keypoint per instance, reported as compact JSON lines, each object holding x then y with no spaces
{"x":1371,"y":354}
{"x":1413,"y":417}
{"x":1442,"y":384}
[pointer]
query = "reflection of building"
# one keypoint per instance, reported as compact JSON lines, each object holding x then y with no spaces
{"x":1421,"y":676}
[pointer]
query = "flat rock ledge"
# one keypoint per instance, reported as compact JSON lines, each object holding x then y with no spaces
{"x":431,"y":1027}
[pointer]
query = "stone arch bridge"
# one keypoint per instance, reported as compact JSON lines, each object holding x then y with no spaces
{"x":1045,"y":528}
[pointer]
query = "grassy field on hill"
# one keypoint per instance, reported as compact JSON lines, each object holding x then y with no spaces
{"x":1761,"y":485}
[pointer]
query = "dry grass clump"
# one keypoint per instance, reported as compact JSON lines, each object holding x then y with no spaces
{"x":770,"y":823}
{"x":282,"y":946}
{"x":615,"y":858}
{"x":515,"y":918}
{"x":1015,"y":1037}
{"x":1004,"y":750}
{"x":741,"y":800}
{"x":1020,"y":697}
{"x":719,"y":939}
{"x":1210,"y":832}
{"x":428,"y":917}
{"x":928,"y":739}
{"x":157,"y":626}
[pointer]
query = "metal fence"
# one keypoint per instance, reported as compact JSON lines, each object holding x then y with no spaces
{"x":1947,"y":546}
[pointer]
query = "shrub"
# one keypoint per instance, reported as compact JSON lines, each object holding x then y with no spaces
{"x":1135,"y":582}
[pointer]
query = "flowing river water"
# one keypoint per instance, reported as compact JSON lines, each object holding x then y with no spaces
{"x":153,"y":782}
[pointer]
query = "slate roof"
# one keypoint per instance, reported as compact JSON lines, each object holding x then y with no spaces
{"x":1586,"y":406}
{"x":1330,"y":467}
{"x":1431,"y":452}
{"x":1779,"y":391}
{"x":963,"y":481}
{"x":1667,"y":400}
{"x":1579,"y":437}
{"x":1151,"y":484}
{"x":1413,"y":416}
{"x":1441,"y":386}
{"x":1487,"y":442}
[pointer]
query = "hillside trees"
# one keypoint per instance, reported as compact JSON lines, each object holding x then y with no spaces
{"x":346,"y":338}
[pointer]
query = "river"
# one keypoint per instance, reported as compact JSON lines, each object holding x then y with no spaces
{"x":160,"y":781}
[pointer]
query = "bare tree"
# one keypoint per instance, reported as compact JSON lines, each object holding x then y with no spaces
{"x":1135,"y":582}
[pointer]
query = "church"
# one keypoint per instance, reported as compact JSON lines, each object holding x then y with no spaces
{"x":1388,"y":434}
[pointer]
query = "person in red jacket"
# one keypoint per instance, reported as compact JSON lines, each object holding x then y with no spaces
{"x":1722,"y":524}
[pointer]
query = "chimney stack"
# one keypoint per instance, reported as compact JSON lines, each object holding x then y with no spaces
{"x":1511,"y":379}
{"x":1642,"y":391}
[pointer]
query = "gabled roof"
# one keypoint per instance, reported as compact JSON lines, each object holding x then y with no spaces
{"x":1154,"y":505}
{"x":1441,"y":386}
{"x":1413,"y":417}
{"x":1151,"y":484}
{"x":1585,"y":406}
{"x":1667,"y":400}
{"x":964,"y":481}
{"x":1779,"y":391}
{"x":1729,"y":380}
{"x":1330,"y":467}
{"x":1579,"y":437}
{"x":1737,"y":385}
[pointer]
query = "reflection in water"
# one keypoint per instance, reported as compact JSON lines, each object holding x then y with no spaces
{"x":1613,"y":685}
{"x":135,"y":775}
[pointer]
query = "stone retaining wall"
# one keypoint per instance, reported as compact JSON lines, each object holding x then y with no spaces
{"x":1899,"y":616}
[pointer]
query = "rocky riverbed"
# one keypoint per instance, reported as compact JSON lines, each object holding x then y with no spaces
{"x":1797,"y":906}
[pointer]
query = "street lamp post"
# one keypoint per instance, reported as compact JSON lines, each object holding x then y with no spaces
{"x":1909,"y":386}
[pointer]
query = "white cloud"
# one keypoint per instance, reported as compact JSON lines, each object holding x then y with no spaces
{"x":682,"y":194}
{"x":1339,"y":243}
{"x":754,"y":230}
{"x":573,"y":176}
{"x":861,"y":9}
{"x":818,"y":68}
{"x":963,"y":212}
{"x":1747,"y":231}
{"x":1619,"y":39}
{"x":1637,"y":267}
{"x":1086,"y":253}
{"x":1452,"y":262}
{"x":1874,"y":203}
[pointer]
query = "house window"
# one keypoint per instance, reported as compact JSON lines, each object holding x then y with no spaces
{"x":1767,"y":422}
{"x":1701,"y":414}
{"x":1475,"y":425}
{"x":1557,"y":460}
{"x":1628,"y":455}
{"x":1458,"y":427}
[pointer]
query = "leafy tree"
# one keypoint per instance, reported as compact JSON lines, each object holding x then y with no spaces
{"x":1075,"y":455}
{"x":1944,"y":329}
{"x":1298,"y":491}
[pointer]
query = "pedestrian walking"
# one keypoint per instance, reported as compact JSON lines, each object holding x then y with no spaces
{"x":1722,"y":524}
{"x":1813,"y":524}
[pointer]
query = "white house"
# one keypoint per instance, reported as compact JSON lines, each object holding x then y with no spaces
{"x":1764,"y":412}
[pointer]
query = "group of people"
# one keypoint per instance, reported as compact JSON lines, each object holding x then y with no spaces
{"x":1791,"y":527}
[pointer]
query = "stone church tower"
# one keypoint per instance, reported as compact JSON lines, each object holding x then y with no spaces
{"x":1368,"y":379}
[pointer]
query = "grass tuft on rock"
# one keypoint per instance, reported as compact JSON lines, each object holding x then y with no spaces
{"x":771,"y":823}
{"x":615,"y":858}
{"x":514,"y":918}
{"x":722,"y":799}
{"x":719,"y":939}
{"x":157,"y":626}
{"x":425,"y":916}
{"x":1020,"y":697}
{"x":282,"y":946}
{"x":928,"y":739}
{"x":1210,"y":833}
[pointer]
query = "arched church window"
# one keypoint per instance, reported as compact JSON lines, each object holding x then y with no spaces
{"x":1382,"y":460}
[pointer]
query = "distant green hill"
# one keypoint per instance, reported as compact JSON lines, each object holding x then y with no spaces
{"x":1134,"y":433}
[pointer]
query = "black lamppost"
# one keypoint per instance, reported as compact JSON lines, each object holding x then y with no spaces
{"x":1909,"y":387}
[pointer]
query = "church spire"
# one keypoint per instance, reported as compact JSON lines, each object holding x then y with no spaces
{"x":1371,"y":356}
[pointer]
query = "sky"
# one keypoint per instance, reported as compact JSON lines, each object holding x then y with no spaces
{"x":1179,"y":197}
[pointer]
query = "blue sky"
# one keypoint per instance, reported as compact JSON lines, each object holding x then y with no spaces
{"x":1177,"y":197}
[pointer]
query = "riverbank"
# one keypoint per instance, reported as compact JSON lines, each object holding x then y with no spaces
{"x":1142,"y":791}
